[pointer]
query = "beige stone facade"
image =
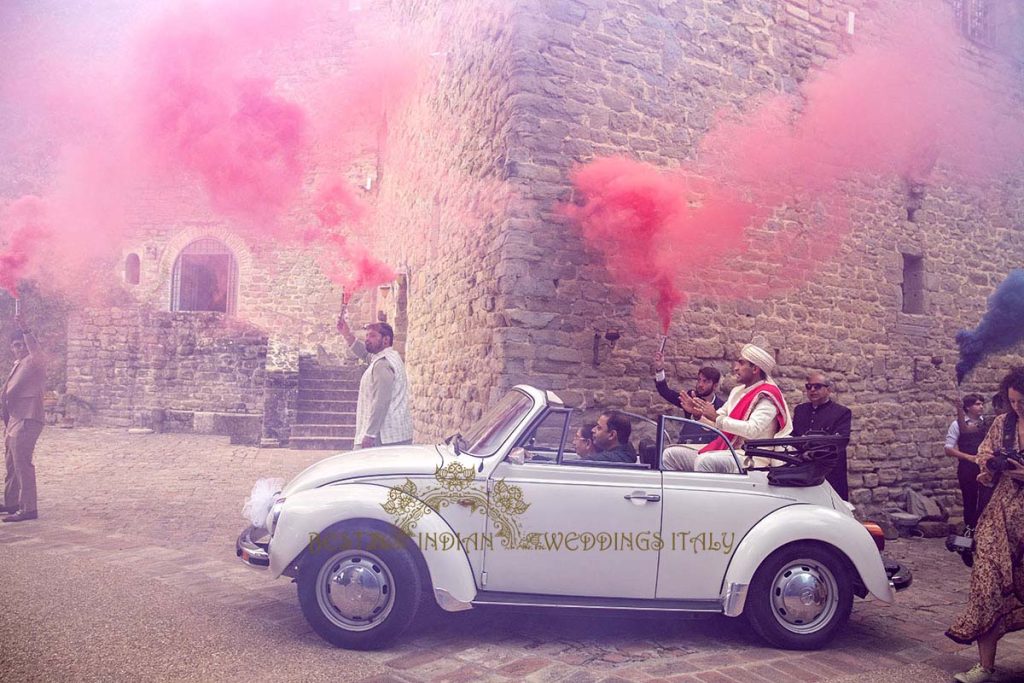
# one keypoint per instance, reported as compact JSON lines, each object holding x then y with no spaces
{"x":517,"y":297}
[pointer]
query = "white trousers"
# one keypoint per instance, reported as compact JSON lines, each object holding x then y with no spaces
{"x":686,"y":459}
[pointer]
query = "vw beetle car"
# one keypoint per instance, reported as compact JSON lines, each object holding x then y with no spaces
{"x":506,"y":514}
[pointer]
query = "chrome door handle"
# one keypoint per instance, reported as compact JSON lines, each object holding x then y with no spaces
{"x":640,"y":495}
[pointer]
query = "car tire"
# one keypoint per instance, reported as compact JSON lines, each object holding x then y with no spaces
{"x":360,"y":588}
{"x":800,"y":596}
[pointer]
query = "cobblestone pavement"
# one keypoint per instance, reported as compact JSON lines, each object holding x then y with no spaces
{"x":130,"y":574}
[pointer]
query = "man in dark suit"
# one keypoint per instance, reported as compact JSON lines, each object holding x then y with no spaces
{"x":705,"y":389}
{"x":21,"y":403}
{"x":822,"y":415}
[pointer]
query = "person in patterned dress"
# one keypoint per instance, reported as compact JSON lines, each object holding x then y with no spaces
{"x":995,"y":604}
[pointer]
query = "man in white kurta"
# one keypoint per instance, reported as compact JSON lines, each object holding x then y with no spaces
{"x":382,"y":409}
{"x":755,"y":409}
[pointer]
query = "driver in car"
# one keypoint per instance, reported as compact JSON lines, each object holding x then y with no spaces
{"x":611,"y":439}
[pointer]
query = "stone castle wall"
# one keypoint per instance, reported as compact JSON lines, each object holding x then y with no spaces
{"x":125,"y":363}
{"x":619,"y":77}
{"x":445,"y":211}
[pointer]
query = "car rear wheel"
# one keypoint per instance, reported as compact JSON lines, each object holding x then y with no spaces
{"x":800,"y":597}
{"x":361,"y":590}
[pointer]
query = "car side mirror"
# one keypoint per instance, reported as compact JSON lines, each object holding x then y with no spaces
{"x":517,"y":456}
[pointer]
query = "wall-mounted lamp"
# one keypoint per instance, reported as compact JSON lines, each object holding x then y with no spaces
{"x":611,"y":336}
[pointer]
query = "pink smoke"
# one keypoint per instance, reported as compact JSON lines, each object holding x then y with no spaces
{"x":334,"y":203}
{"x":23,"y":229}
{"x":198,"y":108}
{"x":896,"y":107}
{"x":363,"y":270}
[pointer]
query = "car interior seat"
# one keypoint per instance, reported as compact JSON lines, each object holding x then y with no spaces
{"x":648,"y":451}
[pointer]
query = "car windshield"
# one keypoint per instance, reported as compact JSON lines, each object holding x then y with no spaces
{"x":491,"y":430}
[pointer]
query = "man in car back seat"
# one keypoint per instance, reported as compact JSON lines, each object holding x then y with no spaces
{"x":756,"y":409}
{"x":611,"y":439}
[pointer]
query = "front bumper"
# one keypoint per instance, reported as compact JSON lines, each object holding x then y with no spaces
{"x":900,"y":576}
{"x":253,"y":547}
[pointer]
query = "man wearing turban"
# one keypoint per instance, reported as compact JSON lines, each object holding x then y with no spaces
{"x":755,"y":409}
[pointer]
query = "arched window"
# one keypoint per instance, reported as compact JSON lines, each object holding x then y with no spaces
{"x":205,"y":278}
{"x":132,"y":269}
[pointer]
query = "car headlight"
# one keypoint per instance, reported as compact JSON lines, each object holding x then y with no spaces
{"x":274,"y":514}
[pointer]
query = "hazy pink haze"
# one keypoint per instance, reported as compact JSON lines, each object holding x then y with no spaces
{"x":893,"y":107}
{"x":189,"y":105}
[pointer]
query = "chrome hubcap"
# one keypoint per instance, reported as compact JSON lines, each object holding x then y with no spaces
{"x":355,"y":590}
{"x":804,"y":596}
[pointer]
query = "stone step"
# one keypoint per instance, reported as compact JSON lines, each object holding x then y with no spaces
{"x":314,"y":372}
{"x":319,"y":418}
{"x":334,"y":431}
{"x":326,"y":406}
{"x":327,"y":395}
{"x":327,"y":385}
{"x":314,"y":443}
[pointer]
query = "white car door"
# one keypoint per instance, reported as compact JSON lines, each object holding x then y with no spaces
{"x":706,"y":515}
{"x":571,"y":529}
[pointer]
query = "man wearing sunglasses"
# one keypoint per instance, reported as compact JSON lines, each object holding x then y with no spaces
{"x":822,"y":415}
{"x":21,"y":403}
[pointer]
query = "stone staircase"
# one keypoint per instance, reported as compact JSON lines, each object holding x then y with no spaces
{"x":326,"y":410}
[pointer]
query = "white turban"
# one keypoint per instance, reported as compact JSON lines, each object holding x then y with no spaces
{"x":759,"y":357}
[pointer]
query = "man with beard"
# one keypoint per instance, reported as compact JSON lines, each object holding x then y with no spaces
{"x":705,"y":388}
{"x":755,"y":409}
{"x":382,"y":409}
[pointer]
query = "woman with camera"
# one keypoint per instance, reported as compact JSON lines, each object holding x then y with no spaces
{"x":996,"y":603}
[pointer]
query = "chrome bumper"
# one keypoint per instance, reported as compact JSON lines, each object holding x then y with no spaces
{"x":253,"y":547}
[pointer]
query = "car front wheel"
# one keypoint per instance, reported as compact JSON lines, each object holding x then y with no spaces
{"x":800,"y":596}
{"x":361,"y":590}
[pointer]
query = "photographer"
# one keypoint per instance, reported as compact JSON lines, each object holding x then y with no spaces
{"x":996,"y":603}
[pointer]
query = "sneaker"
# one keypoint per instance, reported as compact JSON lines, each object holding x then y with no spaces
{"x":976,"y":674}
{"x":8,"y":509}
{"x":21,"y":516}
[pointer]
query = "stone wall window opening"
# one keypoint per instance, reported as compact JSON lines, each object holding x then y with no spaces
{"x":205,"y":278}
{"x":912,"y":286}
{"x":132,"y":269}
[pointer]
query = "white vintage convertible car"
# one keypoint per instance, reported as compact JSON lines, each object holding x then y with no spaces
{"x":507,"y":514}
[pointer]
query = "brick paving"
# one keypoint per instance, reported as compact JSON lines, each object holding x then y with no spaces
{"x":163,"y":510}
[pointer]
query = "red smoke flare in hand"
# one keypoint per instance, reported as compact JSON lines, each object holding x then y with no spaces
{"x":654,"y":227}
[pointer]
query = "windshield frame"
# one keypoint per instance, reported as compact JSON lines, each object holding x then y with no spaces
{"x":497,"y":426}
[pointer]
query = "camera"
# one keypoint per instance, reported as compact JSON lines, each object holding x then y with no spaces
{"x":962,"y":545}
{"x":1000,"y":460}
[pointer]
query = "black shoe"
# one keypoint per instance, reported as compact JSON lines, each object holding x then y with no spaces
{"x":968,"y":558}
{"x":8,"y":509}
{"x":21,"y":516}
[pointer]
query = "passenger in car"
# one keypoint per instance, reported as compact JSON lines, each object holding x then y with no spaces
{"x":611,"y":439}
{"x":583,"y":442}
{"x":705,"y":388}
{"x":755,"y":409}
